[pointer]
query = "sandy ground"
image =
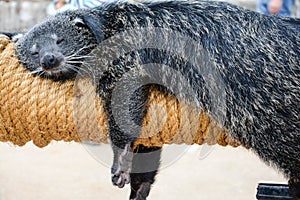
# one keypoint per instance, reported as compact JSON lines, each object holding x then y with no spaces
{"x":72,"y":171}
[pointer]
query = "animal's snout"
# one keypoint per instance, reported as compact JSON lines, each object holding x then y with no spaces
{"x":50,"y":61}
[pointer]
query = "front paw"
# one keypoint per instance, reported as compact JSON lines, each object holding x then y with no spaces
{"x":120,"y":179}
{"x":121,"y":175}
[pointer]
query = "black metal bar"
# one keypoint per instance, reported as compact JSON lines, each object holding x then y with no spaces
{"x":273,"y":191}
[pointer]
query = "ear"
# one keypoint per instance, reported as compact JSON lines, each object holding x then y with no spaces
{"x":93,"y":23}
{"x":13,"y":36}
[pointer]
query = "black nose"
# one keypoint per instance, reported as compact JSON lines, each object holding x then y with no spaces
{"x":49,"y":61}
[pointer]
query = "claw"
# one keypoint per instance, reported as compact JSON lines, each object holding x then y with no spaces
{"x":121,"y":179}
{"x":121,"y":175}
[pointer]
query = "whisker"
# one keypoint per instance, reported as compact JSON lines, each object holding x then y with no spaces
{"x":78,"y":51}
{"x":38,"y":70}
{"x":78,"y":70}
{"x":78,"y":57}
{"x":74,"y":62}
{"x":42,"y":73}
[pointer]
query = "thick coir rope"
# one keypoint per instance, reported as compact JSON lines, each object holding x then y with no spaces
{"x":41,"y":110}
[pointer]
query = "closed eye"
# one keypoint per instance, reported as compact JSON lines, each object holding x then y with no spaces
{"x":35,"y":53}
{"x":34,"y":50}
{"x":59,"y":41}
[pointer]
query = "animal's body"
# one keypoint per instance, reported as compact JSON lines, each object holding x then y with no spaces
{"x":257,"y":59}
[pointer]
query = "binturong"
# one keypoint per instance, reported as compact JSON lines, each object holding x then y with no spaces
{"x":240,"y":67}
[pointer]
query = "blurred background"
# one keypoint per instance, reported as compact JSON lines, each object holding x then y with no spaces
{"x":20,"y":15}
{"x":72,"y":171}
{"x":64,"y":171}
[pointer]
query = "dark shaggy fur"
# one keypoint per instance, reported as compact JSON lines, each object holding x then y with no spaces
{"x":257,"y":58}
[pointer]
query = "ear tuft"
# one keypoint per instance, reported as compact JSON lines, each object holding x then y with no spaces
{"x":78,"y":22}
{"x":17,"y":36}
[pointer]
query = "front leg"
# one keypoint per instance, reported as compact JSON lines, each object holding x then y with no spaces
{"x":123,"y":155}
{"x":122,"y":166}
{"x":122,"y":136}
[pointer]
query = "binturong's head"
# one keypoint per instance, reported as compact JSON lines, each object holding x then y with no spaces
{"x":56,"y":48}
